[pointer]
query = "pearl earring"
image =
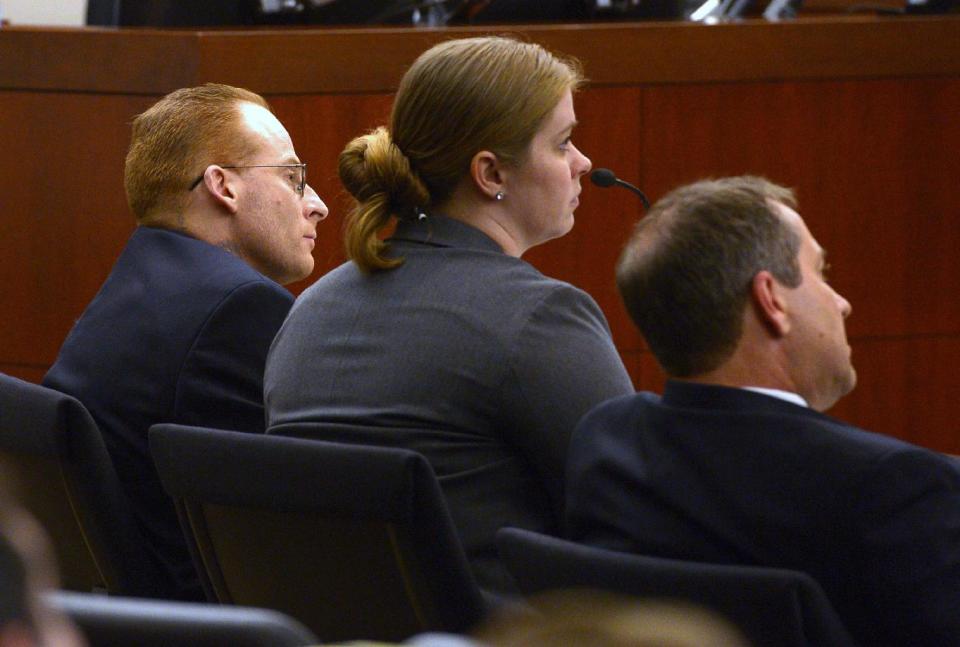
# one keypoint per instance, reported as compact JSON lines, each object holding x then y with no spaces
{"x":499,"y":196}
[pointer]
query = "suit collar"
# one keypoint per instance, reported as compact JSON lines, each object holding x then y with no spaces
{"x":147,"y":242}
{"x":440,"y":231}
{"x":153,"y":234}
{"x":716,"y":397}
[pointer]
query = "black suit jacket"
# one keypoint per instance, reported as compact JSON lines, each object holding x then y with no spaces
{"x":179,"y":333}
{"x":725,"y":475}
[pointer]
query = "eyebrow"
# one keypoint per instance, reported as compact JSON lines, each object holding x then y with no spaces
{"x":823,"y":257}
{"x":573,"y":124}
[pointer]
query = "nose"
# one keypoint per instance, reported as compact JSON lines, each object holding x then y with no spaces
{"x":581,"y":163}
{"x":313,"y":206}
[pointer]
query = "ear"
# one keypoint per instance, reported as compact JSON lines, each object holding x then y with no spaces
{"x":222,"y":187}
{"x":487,"y":173}
{"x":769,"y":302}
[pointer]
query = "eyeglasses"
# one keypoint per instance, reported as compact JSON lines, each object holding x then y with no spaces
{"x":300,"y":186}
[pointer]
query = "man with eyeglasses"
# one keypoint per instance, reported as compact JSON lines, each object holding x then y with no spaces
{"x":179,"y":331}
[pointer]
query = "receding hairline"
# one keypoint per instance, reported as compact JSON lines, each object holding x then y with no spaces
{"x":657,"y":225}
{"x":251,"y":116}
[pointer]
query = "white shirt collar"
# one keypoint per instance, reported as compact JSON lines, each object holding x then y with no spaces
{"x":777,"y":393}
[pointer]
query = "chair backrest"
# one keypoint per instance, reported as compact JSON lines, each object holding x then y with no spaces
{"x":353,"y":541}
{"x":773,"y":607}
{"x":119,"y":622}
{"x":57,"y":457}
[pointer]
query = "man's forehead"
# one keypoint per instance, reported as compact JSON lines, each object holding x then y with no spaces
{"x":788,"y":214}
{"x":793,"y":220}
{"x":254,"y":115}
{"x":262,"y":122}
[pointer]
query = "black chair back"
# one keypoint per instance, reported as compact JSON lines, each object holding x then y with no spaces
{"x":773,"y":607}
{"x":65,"y":478}
{"x":121,"y":622}
{"x":353,"y":541}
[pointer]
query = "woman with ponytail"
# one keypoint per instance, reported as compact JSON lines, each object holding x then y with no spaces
{"x":439,"y":338}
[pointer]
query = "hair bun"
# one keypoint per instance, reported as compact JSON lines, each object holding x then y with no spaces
{"x":372,"y":165}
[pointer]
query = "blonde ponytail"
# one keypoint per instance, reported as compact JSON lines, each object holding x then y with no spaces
{"x":380,"y":178}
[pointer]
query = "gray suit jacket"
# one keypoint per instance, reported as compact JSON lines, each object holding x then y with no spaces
{"x":463,"y":353}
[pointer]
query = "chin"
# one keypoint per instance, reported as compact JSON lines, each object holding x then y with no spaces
{"x":842,"y":387}
{"x":294,"y":273}
{"x":852,"y":380}
{"x":305,"y":271}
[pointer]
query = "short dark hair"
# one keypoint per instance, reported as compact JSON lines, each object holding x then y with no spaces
{"x":686,"y":271}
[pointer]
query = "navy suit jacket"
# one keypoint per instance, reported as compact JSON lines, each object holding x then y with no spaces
{"x":716,"y":474}
{"x":179,"y":332}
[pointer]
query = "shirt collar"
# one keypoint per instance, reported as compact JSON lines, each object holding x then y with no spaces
{"x":778,"y":393}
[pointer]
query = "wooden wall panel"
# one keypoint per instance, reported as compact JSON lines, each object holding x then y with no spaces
{"x":858,"y":114}
{"x":64,"y":218}
{"x":101,"y":60}
{"x":874,"y":164}
{"x":907,"y":388}
{"x":372,"y":59}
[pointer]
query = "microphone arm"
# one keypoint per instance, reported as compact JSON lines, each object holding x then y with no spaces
{"x":604,"y":177}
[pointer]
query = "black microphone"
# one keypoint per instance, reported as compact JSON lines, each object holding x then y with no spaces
{"x":604,"y":177}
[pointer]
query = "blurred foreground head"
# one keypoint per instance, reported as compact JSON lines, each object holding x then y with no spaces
{"x":601,"y":619}
{"x":27,"y":570}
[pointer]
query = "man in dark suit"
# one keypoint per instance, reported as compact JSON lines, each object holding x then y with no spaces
{"x":179,"y":331}
{"x":734,"y":463}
